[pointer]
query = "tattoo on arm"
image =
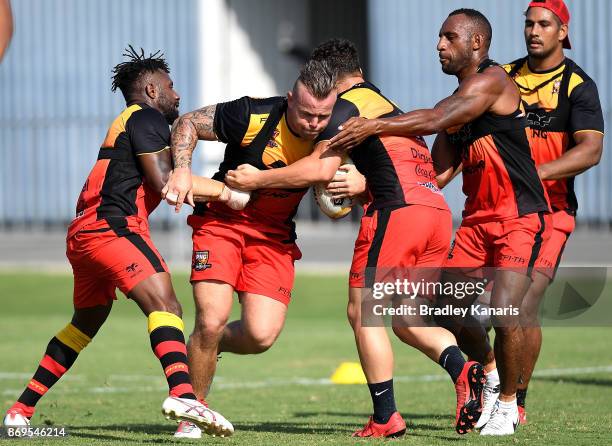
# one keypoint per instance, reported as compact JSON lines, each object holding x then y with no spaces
{"x":187,"y":130}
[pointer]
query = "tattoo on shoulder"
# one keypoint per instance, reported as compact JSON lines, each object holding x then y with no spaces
{"x":203,"y":120}
{"x":186,"y":132}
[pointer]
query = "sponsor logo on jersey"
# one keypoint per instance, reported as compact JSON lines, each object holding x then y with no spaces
{"x":284,"y":291}
{"x":539,"y":121}
{"x":431,"y":186}
{"x":272,"y":143}
{"x":424,"y":172}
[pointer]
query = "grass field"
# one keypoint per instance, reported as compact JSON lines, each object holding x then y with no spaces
{"x":114,"y":392}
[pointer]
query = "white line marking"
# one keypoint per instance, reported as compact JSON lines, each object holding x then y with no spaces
{"x":221,"y":384}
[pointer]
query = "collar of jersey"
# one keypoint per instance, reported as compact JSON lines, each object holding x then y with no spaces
{"x":545,"y":72}
{"x":364,"y":84}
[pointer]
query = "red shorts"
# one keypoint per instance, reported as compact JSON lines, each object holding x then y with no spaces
{"x":229,"y":252}
{"x":510,"y":244}
{"x":563,"y":224}
{"x":410,"y":236}
{"x":103,"y":261}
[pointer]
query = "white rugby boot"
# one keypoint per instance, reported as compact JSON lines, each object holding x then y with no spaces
{"x":209,"y":421}
{"x":489,"y":396}
{"x":504,"y":419}
{"x":15,"y":418}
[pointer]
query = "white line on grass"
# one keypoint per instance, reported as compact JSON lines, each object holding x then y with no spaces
{"x":221,"y":384}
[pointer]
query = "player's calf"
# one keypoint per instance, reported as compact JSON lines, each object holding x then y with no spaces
{"x":60,"y":355}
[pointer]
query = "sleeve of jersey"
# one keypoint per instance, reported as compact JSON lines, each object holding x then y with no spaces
{"x":343,"y":110}
{"x":232,"y":120}
{"x":585,"y":110}
{"x":148,"y":131}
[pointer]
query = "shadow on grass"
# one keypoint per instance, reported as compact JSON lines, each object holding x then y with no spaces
{"x":296,"y":428}
{"x":410,"y":416}
{"x":110,"y":432}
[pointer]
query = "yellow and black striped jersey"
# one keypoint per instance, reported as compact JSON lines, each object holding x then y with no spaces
{"x":559,"y":103}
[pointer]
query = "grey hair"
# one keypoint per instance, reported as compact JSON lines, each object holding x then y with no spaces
{"x":318,"y":78}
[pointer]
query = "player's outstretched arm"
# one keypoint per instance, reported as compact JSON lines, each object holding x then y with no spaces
{"x":186,"y":132}
{"x":318,"y":167}
{"x":474,"y":97}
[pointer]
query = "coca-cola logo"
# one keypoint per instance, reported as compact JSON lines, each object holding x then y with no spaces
{"x":424,"y":172}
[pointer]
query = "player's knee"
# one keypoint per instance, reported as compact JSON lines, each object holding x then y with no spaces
{"x":531,"y":306}
{"x":261,"y":341}
{"x":353,"y":313}
{"x":208,"y":327}
{"x":406,"y":334}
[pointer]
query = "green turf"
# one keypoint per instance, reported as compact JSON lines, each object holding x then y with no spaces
{"x":113,"y":393}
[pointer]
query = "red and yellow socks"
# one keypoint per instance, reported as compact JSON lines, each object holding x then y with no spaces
{"x":168,"y":344}
{"x":61,"y":353}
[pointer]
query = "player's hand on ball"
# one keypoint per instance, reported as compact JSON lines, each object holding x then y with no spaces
{"x":178,"y":188}
{"x":352,"y":133}
{"x":244,"y":177}
{"x":348,"y":182}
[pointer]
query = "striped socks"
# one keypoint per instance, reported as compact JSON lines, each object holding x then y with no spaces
{"x":168,"y":344}
{"x":61,"y":353}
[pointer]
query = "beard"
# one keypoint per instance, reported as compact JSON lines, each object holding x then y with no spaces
{"x":171,"y":115}
{"x":459,"y":62}
{"x":169,"y":109}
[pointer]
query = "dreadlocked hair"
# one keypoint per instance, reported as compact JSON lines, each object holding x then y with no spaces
{"x":126,"y":74}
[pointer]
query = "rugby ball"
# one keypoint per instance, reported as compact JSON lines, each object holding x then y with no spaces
{"x":333,"y":207}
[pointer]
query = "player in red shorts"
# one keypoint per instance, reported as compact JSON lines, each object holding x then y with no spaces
{"x":109,"y":246}
{"x":566,"y":137}
{"x":482,"y":130}
{"x":251,"y":251}
{"x":407,"y":226}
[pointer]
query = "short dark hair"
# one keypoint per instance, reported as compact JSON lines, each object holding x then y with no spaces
{"x":341,"y":54}
{"x":318,"y":78}
{"x":479,"y":22}
{"x":127,"y":74}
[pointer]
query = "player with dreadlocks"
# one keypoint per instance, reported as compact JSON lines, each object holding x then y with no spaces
{"x":109,"y":246}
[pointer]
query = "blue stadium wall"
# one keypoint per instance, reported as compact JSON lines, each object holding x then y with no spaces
{"x":56,"y":100}
{"x":404,"y":63}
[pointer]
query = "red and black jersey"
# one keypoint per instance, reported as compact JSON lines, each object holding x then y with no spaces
{"x":560,"y":103}
{"x":399,"y":170}
{"x":115,"y":186}
{"x":238,"y":124}
{"x":500,"y":179}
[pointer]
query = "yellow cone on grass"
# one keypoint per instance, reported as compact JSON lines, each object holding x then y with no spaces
{"x":349,"y":373}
